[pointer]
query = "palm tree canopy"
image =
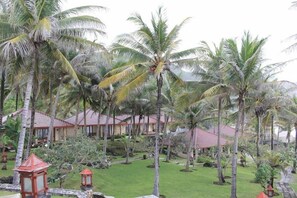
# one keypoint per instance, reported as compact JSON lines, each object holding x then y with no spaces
{"x":149,"y":51}
{"x":42,"y":24}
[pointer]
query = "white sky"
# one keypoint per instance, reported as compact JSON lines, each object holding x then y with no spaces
{"x":211,"y":20}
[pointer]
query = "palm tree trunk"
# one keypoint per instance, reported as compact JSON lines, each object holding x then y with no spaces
{"x":143,"y":124}
{"x":258,"y":136}
{"x":219,"y":165}
{"x":289,"y":136}
{"x":85,"y":116}
{"x":272,"y":132}
{"x":168,"y":149}
{"x":133,"y":124}
{"x":295,"y":163}
{"x":190,"y":152}
{"x":164,"y":131}
{"x":98,"y":126}
{"x":138,"y":126}
{"x":148,"y":124}
{"x":113,"y":124}
{"x":76,"y":117}
{"x":157,"y":134}
{"x":19,"y":155}
{"x":16,"y":97}
{"x":128,"y":147}
{"x":33,"y":108}
{"x":106,"y":131}
{"x":235,"y":146}
{"x":2,"y":96}
{"x":53,"y":115}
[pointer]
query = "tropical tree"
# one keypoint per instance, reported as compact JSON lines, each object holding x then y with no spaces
{"x":150,"y":51}
{"x":212,"y":74}
{"x":190,"y":118}
{"x":39,"y":28}
{"x":243,"y":64}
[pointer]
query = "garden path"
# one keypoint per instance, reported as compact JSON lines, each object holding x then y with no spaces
{"x":284,"y":184}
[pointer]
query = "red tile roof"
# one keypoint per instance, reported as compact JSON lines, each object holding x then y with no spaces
{"x":225,"y":131}
{"x":204,"y":139}
{"x":32,"y":164}
{"x":152,"y":118}
{"x":262,"y":195}
{"x":41,"y":120}
{"x":91,"y":119}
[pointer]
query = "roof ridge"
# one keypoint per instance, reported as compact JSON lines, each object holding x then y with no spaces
{"x":54,"y":117}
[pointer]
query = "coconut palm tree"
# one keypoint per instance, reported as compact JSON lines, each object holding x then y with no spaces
{"x":292,"y":113}
{"x":243,"y":64}
{"x":150,"y":51}
{"x":212,"y":74}
{"x":39,"y":28}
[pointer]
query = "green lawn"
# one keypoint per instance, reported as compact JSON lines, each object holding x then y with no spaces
{"x":127,"y":181}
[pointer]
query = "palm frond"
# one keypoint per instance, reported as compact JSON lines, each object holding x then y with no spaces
{"x":80,"y":31}
{"x":19,"y":45}
{"x":116,"y":77}
{"x":130,"y":52}
{"x":170,"y":43}
{"x":125,"y":90}
{"x":65,"y":64}
{"x":130,"y":40}
{"x":81,"y":21}
{"x":43,"y":30}
{"x":185,"y":53}
{"x":70,"y":42}
{"x":77,"y":10}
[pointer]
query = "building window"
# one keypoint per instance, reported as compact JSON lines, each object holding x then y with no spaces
{"x":90,"y":131}
{"x":41,"y":133}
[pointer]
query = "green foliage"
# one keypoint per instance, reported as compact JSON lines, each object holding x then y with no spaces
{"x":263,"y":174}
{"x":204,"y":159}
{"x":12,"y":130}
{"x":70,"y":156}
{"x":9,"y":105}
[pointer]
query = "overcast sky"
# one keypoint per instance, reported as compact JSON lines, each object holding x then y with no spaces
{"x":211,"y":20}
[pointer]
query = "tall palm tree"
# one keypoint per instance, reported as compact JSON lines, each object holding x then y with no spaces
{"x":191,"y":110}
{"x":292,"y":113}
{"x":211,"y":72}
{"x":243,"y":64}
{"x":36,"y":28}
{"x":150,"y":51}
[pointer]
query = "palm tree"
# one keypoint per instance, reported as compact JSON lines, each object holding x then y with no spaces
{"x":244,"y":68}
{"x":36,"y":28}
{"x":150,"y":51}
{"x":292,"y":112}
{"x":211,"y":71}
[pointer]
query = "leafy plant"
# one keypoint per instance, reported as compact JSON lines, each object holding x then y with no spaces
{"x":263,"y":175}
{"x":71,"y":156}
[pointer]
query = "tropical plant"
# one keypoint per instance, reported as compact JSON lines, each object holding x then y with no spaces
{"x":243,"y":66}
{"x":211,"y":71}
{"x":70,"y":156}
{"x":39,"y":28}
{"x":149,"y":52}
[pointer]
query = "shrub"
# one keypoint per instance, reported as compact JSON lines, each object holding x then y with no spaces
{"x":263,"y":174}
{"x":204,"y":159}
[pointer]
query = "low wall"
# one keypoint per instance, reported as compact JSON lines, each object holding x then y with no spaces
{"x":55,"y":191}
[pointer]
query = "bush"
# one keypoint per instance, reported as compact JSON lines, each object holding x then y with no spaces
{"x":263,"y":174}
{"x":204,"y":159}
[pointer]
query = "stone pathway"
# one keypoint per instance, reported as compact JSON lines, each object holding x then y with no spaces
{"x":283,"y":185}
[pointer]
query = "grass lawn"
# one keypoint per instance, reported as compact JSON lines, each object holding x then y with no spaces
{"x":127,"y":181}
